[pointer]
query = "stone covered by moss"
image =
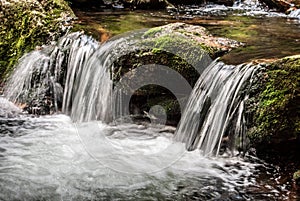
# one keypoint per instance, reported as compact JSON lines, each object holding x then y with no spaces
{"x":296,"y":176}
{"x":276,"y":117}
{"x":184,"y":48}
{"x":26,"y":24}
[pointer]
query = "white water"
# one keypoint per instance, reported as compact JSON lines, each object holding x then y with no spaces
{"x":66,"y":75}
{"x":253,"y":8}
{"x":53,"y":158}
{"x":216,"y":106}
{"x":50,"y":160}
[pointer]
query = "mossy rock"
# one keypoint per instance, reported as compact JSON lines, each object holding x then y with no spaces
{"x":296,"y":177}
{"x":27,"y":24}
{"x":277,"y":114}
{"x":179,"y":46}
{"x":184,"y":48}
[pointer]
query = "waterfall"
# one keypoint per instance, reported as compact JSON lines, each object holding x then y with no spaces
{"x":72,"y":75}
{"x":215,"y":108}
{"x":76,"y":76}
{"x":40,"y":76}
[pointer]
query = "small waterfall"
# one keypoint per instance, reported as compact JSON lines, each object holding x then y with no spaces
{"x":41,"y":75}
{"x":72,"y":76}
{"x":215,"y":108}
{"x":76,"y":76}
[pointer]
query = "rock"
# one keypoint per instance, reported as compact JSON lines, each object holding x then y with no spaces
{"x":282,"y":5}
{"x":216,"y":46}
{"x":273,"y":113}
{"x":197,"y":2}
{"x":86,"y":4}
{"x":187,"y":49}
{"x":146,"y":4}
{"x":8,"y":109}
{"x":277,"y":114}
{"x":296,"y":177}
{"x":27,"y":24}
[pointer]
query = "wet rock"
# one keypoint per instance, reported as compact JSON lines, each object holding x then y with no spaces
{"x":145,"y":4}
{"x":276,"y":115}
{"x":27,"y":24}
{"x":296,"y":177}
{"x":282,"y":5}
{"x":86,"y":4}
{"x":8,"y":109}
{"x":187,"y":49}
{"x":196,"y":2}
{"x":216,"y":46}
{"x":273,"y":113}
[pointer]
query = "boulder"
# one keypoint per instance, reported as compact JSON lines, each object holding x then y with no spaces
{"x":27,"y":24}
{"x":185,"y":48}
{"x":276,"y":109}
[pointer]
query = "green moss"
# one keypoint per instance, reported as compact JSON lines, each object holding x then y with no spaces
{"x":152,"y":32}
{"x":296,"y":175}
{"x":186,"y":48}
{"x":27,"y":24}
{"x":277,"y":117}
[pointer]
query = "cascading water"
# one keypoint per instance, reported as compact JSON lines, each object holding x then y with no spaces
{"x":53,"y":158}
{"x":42,"y":74}
{"x":215,"y":108}
{"x":76,"y":74}
{"x":66,"y":76}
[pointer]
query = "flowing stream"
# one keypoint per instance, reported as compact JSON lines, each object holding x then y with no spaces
{"x":79,"y":153}
{"x":79,"y":156}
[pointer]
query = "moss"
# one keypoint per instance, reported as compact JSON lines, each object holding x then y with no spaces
{"x":152,"y":32}
{"x":27,"y":24}
{"x":277,"y":116}
{"x":181,"y":46}
{"x":296,"y":175}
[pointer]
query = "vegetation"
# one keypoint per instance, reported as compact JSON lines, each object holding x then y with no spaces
{"x":27,"y":24}
{"x":277,"y":116}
